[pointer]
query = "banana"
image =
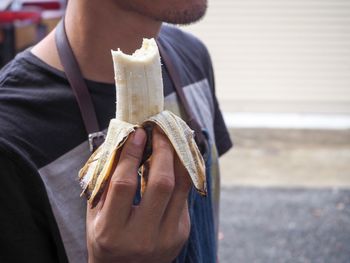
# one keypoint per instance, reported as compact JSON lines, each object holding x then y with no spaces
{"x":140,"y":103}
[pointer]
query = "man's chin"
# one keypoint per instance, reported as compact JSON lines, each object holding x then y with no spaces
{"x":185,"y":17}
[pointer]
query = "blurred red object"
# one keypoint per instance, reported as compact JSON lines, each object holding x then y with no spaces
{"x":9,"y":17}
{"x":43,"y":4}
{"x":32,"y":20}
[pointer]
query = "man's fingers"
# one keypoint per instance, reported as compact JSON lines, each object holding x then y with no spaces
{"x":123,"y":183}
{"x":178,"y":201}
{"x":161,"y":180}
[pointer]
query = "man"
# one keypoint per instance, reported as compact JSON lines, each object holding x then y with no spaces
{"x":43,"y":144}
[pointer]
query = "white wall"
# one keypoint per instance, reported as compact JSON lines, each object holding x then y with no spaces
{"x":279,"y":55}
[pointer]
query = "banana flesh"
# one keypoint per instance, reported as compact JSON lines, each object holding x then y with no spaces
{"x":140,"y":103}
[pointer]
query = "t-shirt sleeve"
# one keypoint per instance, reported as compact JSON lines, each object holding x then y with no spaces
{"x":222,"y":135}
{"x":24,"y":227}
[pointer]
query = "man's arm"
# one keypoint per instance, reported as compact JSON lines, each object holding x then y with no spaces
{"x":25,"y":226}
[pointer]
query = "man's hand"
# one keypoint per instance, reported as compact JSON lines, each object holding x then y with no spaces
{"x":156,"y":229}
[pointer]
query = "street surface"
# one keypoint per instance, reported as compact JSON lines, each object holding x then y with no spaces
{"x":286,"y":197}
{"x":269,"y":225}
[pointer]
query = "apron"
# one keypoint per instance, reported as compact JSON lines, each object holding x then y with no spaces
{"x":201,"y":246}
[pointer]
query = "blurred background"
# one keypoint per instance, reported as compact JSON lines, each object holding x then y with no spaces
{"x":25,"y":22}
{"x":283,"y":81}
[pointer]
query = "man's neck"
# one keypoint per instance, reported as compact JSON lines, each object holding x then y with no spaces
{"x":93,"y":31}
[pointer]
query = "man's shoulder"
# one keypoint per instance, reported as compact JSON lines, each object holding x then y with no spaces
{"x":188,"y":52}
{"x":27,"y":69}
{"x":183,"y":41}
{"x":17,"y":68}
{"x":33,"y":104}
{"x":177,"y":33}
{"x":24,"y":90}
{"x":9,"y":71}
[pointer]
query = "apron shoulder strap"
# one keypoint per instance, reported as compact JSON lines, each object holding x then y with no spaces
{"x":78,"y":85}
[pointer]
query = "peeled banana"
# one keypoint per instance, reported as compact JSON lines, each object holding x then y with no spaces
{"x":140,"y":103}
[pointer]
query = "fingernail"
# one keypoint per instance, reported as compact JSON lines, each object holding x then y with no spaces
{"x":139,"y":137}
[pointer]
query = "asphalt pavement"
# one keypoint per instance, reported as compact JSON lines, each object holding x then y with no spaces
{"x":274,"y":225}
{"x":286,"y":197}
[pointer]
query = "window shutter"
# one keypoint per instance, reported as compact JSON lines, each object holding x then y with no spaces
{"x":279,"y":55}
